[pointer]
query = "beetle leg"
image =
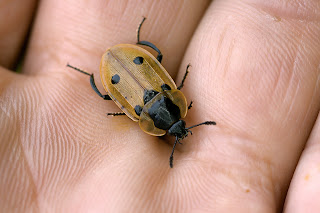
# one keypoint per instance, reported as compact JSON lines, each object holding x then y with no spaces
{"x":147,"y":43}
{"x":138,"y":32}
{"x":190,"y":105}
{"x":184,"y":78}
{"x":116,"y":113}
{"x":93,"y":85}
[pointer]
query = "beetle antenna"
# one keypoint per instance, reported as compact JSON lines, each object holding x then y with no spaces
{"x":204,"y":123}
{"x":171,"y":156}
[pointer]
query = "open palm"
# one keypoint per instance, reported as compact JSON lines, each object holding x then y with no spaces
{"x":255,"y":71}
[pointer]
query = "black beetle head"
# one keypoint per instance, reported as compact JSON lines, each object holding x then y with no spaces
{"x":178,"y":129}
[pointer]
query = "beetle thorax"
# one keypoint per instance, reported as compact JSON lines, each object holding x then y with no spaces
{"x":163,"y":112}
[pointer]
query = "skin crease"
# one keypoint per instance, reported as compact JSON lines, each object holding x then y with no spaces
{"x":255,"y":71}
{"x":13,"y":35}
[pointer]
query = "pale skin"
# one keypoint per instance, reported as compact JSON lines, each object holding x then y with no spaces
{"x":255,"y":71}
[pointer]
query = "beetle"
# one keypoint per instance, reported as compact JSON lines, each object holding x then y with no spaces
{"x":141,"y":87}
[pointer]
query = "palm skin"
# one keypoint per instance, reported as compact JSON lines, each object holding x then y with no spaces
{"x":255,"y":71}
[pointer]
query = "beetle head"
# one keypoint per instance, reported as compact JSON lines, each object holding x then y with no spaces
{"x":179,"y":129}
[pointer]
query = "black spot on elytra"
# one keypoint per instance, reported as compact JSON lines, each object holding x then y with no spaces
{"x":115,"y":79}
{"x":138,"y":60}
{"x":138,"y":109}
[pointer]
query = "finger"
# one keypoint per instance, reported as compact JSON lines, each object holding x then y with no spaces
{"x":305,"y":187}
{"x":255,"y":71}
{"x":88,"y":29}
{"x":16,"y":17}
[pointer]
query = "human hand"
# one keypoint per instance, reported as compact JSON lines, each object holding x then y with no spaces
{"x":255,"y":71}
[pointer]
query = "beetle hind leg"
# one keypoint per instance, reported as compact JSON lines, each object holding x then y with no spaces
{"x":147,"y":43}
{"x":139,"y":28}
{"x":93,"y":85}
